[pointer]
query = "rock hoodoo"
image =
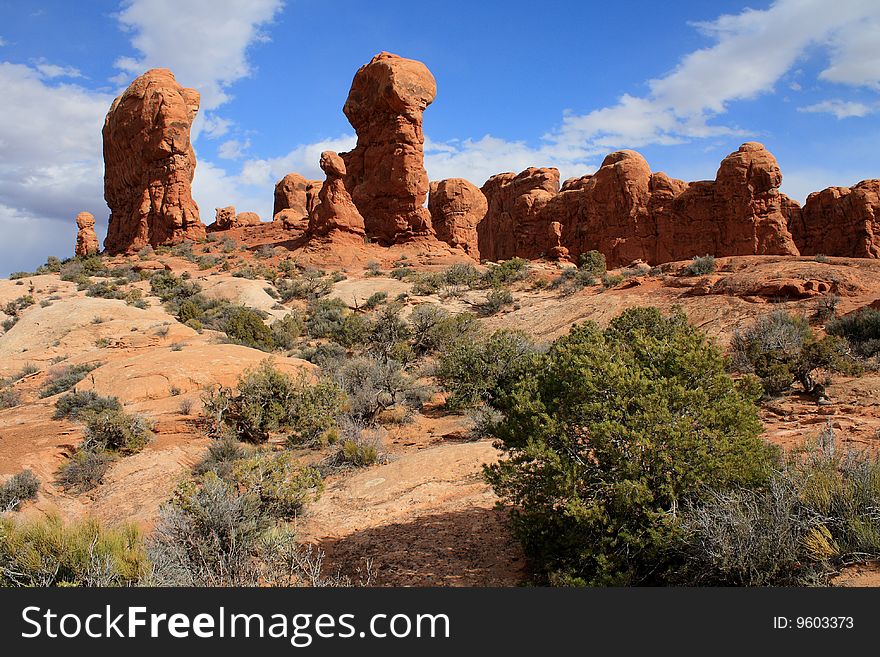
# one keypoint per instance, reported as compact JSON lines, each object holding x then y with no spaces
{"x":335,"y":211}
{"x":149,"y":164}
{"x":227,"y":219}
{"x":513,"y":225}
{"x":841,"y":221}
{"x":296,"y":196}
{"x":385,"y":172}
{"x":456,"y":208}
{"x":629,"y":213}
{"x":86,"y":240}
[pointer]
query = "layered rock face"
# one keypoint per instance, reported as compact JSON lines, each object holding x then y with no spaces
{"x":335,"y":211}
{"x":457,"y":207}
{"x":841,"y":221}
{"x":385,"y":172}
{"x":149,"y":164}
{"x":297,"y":196}
{"x":513,"y":225}
{"x":629,"y":213}
{"x":227,"y":219}
{"x":86,"y":240}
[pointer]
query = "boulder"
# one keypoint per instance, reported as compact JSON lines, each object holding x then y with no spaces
{"x":456,"y":208}
{"x":149,"y":164}
{"x":297,"y":196}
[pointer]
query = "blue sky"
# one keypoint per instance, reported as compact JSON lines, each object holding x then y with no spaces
{"x":519,"y":84}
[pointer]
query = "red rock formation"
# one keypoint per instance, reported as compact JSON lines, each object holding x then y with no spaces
{"x":386,"y":174}
{"x":557,"y":251}
{"x":86,"y":240}
{"x":298,"y":196}
{"x":227,"y":219}
{"x":629,"y":213}
{"x":841,"y":221}
{"x":513,"y":225}
{"x":456,"y":208}
{"x":335,"y":211}
{"x":149,"y":164}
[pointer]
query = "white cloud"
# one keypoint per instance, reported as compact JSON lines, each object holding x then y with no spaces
{"x":477,"y":160}
{"x":204,"y":42}
{"x":233,"y":149}
{"x":800,"y":182}
{"x":52,"y":161}
{"x":49,"y":70}
{"x":855,"y":54}
{"x":3,"y":42}
{"x":840,"y":108}
{"x":752,"y":50}
{"x":795,"y":86}
{"x":213,"y":126}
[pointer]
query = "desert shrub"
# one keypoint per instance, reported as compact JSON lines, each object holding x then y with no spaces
{"x":497,"y":299}
{"x":308,"y":286}
{"x":371,"y":386}
{"x":611,"y":280}
{"x":822,"y":259}
{"x":9,"y":398}
{"x":388,"y":335}
{"x":84,"y":471}
{"x":246,"y":326}
{"x":77,"y":405}
{"x":222,"y":454}
{"x":359,"y":447}
{"x":325,"y":317}
{"x":435,"y":329}
{"x":63,"y":379}
{"x":353,"y":330}
{"x":214,"y":534}
{"x":46,"y":552}
{"x":116,"y":431}
{"x":402,"y":272}
{"x":860,"y":329}
{"x":9,"y":323}
{"x":105,"y":290}
{"x":269,"y":402}
{"x":426,"y":283}
{"x":282,"y":485}
{"x":781,"y":349}
{"x":819,"y":513}
{"x":700,"y":266}
{"x":287,"y":330}
{"x":573,"y":280}
{"x":373,"y":269}
{"x":326,"y":356}
{"x":509,"y":271}
{"x":609,"y":433}
{"x":592,"y":262}
{"x":19,"y":304}
{"x":27,"y":370}
{"x":826,"y":307}
{"x":17,"y":489}
{"x":18,"y":275}
{"x":473,"y":371}
{"x":375,"y":299}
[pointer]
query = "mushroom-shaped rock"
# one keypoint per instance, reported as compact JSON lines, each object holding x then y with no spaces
{"x":335,"y":211}
{"x":385,"y":172}
{"x":86,"y":240}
